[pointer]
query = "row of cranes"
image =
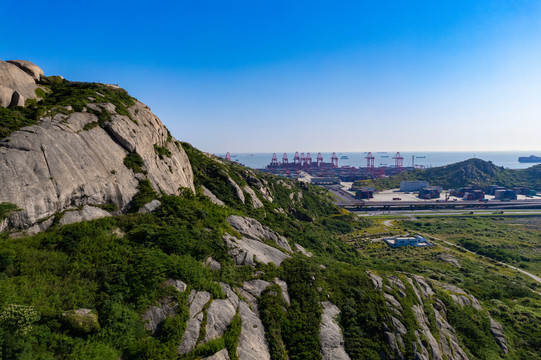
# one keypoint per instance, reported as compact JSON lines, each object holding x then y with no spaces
{"x":306,"y":160}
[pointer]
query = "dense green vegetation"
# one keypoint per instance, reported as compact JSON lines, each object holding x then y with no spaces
{"x":472,"y":172}
{"x":57,"y":96}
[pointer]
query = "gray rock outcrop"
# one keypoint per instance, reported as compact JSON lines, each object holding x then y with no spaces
{"x":197,"y":302}
{"x":302,"y":250}
{"x":211,"y":196}
{"x":237,"y":189}
{"x":156,"y":314}
{"x":332,"y":341}
{"x":166,"y":307}
{"x":220,"y":355}
{"x":87,"y":213}
{"x":252,"y":343}
{"x":247,"y":251}
{"x":253,"y":229}
{"x":150,"y":207}
{"x":256,"y":203}
{"x":220,"y":313}
{"x":497,"y":331}
{"x":44,"y":176}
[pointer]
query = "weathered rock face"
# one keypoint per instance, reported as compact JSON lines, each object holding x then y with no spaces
{"x":425,"y":346}
{"x":197,"y":301}
{"x":252,"y":343}
{"x":63,"y":162}
{"x":332,"y":341}
{"x":220,"y":313}
{"x":253,"y":229}
{"x":22,"y":84}
{"x":248,"y":251}
{"x":212,"y":197}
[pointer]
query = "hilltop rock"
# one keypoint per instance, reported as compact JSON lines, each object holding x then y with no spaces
{"x":14,"y":78}
{"x":30,"y":68}
{"x":6,"y":96}
{"x":44,"y":176}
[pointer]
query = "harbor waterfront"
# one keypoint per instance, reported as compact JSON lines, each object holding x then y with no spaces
{"x":506,"y":159}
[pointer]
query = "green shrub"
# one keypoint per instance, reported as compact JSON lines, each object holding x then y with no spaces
{"x":144,"y":195}
{"x":161,"y":151}
{"x":134,"y":162}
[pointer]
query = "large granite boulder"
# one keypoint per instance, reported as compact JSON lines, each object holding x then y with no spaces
{"x":64,"y":162}
{"x":13,"y":77}
{"x":30,"y":68}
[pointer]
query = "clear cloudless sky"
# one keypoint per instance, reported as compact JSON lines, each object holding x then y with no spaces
{"x":286,"y":75}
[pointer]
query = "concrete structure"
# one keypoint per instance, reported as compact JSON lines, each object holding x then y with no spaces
{"x":398,"y":241}
{"x":413,"y":185}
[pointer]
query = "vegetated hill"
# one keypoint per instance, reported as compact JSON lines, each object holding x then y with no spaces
{"x":472,"y":172}
{"x":245,"y":266}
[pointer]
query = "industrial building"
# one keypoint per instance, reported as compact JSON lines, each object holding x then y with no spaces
{"x":398,"y":241}
{"x":407,"y":186}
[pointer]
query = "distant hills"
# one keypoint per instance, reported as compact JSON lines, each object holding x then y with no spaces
{"x":472,"y":172}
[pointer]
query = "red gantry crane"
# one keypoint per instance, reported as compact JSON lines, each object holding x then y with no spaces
{"x":369,"y":160}
{"x":334,"y":160}
{"x":319,"y":160}
{"x":398,"y":160}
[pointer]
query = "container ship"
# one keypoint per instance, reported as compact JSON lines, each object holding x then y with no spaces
{"x":530,"y":159}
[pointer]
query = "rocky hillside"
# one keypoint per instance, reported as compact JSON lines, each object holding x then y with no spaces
{"x":90,"y":145}
{"x":236,"y":264}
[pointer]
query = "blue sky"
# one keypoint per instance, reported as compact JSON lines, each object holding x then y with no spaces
{"x":277,"y":76}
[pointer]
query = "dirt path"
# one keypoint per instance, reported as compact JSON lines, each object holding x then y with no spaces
{"x":388,"y":223}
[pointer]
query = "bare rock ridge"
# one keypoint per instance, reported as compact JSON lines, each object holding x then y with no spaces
{"x":67,"y":160}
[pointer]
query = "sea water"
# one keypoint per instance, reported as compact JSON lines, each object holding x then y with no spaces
{"x":506,"y":159}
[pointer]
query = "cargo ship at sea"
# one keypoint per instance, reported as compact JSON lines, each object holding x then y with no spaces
{"x":530,"y":159}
